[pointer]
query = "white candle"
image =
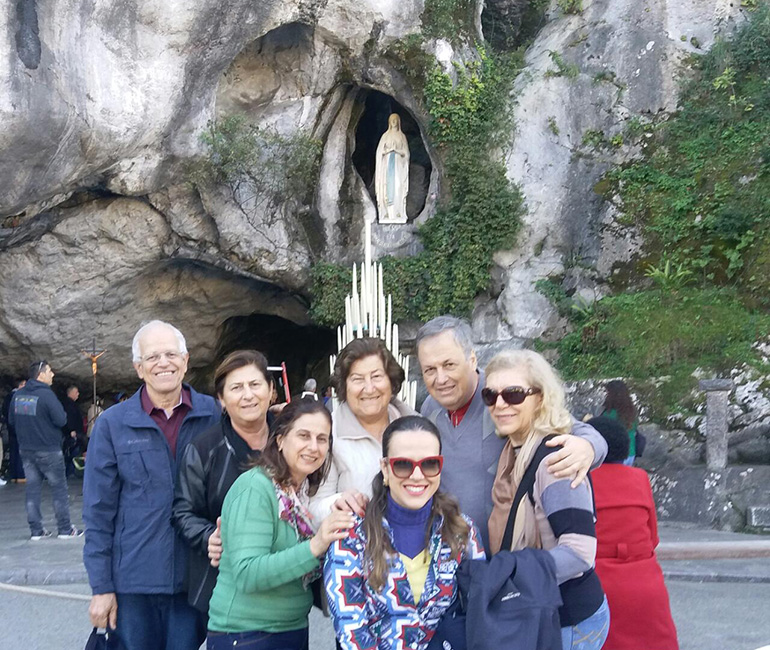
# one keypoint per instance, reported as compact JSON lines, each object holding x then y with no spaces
{"x":375,"y":293}
{"x":394,"y":349}
{"x":339,"y":337}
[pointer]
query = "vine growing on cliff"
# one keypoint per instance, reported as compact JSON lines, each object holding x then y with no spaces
{"x":469,"y":115}
{"x":701,"y":195}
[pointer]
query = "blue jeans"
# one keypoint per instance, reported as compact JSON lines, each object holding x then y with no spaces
{"x":292,"y":640}
{"x":589,"y":634}
{"x":159,"y":622}
{"x":48,"y":464}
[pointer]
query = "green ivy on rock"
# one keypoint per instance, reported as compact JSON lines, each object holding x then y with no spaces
{"x":469,"y":118}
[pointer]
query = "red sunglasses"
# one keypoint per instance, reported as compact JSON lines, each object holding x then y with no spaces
{"x":512,"y":395}
{"x":404,"y":467}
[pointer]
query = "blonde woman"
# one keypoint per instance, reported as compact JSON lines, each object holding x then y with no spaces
{"x":526,"y":401}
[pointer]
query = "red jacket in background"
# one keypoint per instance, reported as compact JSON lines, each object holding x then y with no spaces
{"x":627,"y":534}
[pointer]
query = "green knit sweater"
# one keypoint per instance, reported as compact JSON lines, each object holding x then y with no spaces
{"x":259,"y":585}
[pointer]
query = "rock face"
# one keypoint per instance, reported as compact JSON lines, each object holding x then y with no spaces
{"x":102,"y":107}
{"x":684,"y":488}
{"x":585,"y":73}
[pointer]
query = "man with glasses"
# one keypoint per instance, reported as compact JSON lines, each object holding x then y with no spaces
{"x":136,"y":563}
{"x":37,"y":417}
{"x":470,"y":447}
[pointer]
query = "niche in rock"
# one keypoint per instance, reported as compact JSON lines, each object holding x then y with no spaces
{"x":376,"y":107}
{"x":304,"y":349}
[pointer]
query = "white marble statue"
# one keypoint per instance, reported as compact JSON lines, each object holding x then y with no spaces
{"x":391,"y":174}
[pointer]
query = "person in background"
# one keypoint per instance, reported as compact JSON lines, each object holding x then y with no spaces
{"x":95,"y":409}
{"x":471,"y":448}
{"x":73,"y":431}
{"x":309,"y":390}
{"x":367,"y":379}
{"x":626,"y":535}
{"x":136,"y":562}
{"x":619,"y":406}
{"x":526,"y":401}
{"x":271,"y":554}
{"x":214,"y":459}
{"x":15,"y":465}
{"x":392,"y":579}
{"x":37,"y":417}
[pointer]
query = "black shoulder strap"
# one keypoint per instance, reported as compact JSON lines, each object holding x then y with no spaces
{"x":525,"y":487}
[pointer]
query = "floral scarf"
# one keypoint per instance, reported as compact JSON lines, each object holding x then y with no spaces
{"x":292,"y":508}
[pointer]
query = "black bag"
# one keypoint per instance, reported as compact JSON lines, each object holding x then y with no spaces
{"x":510,"y":602}
{"x":104,"y":640}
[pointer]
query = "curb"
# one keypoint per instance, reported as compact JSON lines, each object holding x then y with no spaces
{"x":43,"y":576}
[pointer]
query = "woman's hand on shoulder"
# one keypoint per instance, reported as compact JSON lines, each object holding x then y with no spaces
{"x":351,"y":501}
{"x":336,"y":526}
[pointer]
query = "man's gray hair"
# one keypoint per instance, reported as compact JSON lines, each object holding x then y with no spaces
{"x":136,"y":353}
{"x":310,"y":385}
{"x":460,"y":329}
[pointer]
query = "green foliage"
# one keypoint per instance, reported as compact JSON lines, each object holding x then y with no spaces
{"x":563,"y":69}
{"x":329,"y":285}
{"x":408,"y":57}
{"x":669,"y":278}
{"x":604,"y":76}
{"x":701,"y":195}
{"x":570,"y":6}
{"x":593,"y":138}
{"x":658,"y":333}
{"x":468,"y":117}
{"x":552,"y":126}
{"x":263,"y":168}
{"x":449,"y":19}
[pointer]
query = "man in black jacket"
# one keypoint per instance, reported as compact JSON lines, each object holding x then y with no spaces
{"x":38,"y":418}
{"x":73,"y":431}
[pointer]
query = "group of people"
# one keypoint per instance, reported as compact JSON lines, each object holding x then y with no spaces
{"x":204,"y":522}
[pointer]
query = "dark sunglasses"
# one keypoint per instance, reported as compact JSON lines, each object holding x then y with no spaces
{"x":512,"y":395}
{"x":404,"y":467}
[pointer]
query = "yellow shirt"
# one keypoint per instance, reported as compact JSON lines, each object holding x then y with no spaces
{"x":417,"y":572}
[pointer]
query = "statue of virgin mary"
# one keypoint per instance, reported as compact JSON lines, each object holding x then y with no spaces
{"x":391,"y":173}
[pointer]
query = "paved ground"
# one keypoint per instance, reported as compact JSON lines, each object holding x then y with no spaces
{"x":717,"y":604}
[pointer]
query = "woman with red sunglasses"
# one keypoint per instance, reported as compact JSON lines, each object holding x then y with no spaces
{"x":392,"y":579}
{"x":526,"y":400}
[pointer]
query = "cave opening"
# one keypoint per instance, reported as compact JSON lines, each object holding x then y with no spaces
{"x":304,"y":348}
{"x":375,"y":109}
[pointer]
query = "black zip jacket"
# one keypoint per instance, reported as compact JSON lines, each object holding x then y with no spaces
{"x":209,"y":467}
{"x":37,"y":416}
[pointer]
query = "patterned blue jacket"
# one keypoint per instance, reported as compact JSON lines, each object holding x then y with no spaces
{"x":389,"y":619}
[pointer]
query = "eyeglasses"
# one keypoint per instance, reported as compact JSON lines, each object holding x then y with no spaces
{"x":512,"y":395}
{"x":170,"y":356}
{"x":404,"y":467}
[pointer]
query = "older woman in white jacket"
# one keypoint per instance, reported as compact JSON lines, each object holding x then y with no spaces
{"x":366,"y":378}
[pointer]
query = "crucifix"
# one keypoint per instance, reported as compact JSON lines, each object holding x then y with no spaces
{"x":93,"y":356}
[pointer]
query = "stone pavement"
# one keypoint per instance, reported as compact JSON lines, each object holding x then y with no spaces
{"x":54,"y":561}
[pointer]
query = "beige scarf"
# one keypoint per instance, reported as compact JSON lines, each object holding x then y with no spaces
{"x":510,"y":470}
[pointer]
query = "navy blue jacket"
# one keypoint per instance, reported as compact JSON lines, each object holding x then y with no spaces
{"x":37,"y":416}
{"x":127,"y":495}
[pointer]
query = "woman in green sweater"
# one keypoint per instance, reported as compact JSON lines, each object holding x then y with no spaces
{"x":270,"y":554}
